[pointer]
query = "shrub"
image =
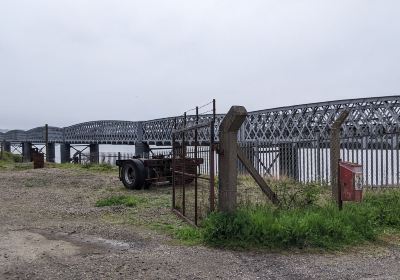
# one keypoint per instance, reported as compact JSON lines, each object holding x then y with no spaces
{"x":315,"y":226}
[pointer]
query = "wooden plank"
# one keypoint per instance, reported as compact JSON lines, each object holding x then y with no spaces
{"x":256,"y":176}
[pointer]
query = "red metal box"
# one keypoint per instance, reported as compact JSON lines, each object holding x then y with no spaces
{"x":350,"y":181}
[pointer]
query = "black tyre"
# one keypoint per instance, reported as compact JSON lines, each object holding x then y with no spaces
{"x":133,"y":174}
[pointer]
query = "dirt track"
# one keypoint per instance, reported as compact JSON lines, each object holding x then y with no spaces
{"x":50,"y":229}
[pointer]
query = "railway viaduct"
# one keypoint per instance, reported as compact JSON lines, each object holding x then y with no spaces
{"x":369,"y":119}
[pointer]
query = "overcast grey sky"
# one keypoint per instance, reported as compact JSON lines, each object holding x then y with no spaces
{"x":64,"y":62}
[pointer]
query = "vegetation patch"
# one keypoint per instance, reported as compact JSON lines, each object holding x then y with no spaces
{"x":10,"y":160}
{"x":305,"y":227}
{"x":103,"y":167}
{"x":186,"y":234}
{"x":124,"y":200}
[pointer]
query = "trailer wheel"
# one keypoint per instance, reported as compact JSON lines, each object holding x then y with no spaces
{"x":133,"y":174}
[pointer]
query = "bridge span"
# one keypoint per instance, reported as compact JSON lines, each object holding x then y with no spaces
{"x":370,"y":119}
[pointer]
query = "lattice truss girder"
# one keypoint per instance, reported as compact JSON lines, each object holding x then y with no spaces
{"x":369,"y":117}
{"x":102,"y":132}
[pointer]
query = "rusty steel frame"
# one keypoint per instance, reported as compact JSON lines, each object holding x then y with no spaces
{"x":182,"y":132}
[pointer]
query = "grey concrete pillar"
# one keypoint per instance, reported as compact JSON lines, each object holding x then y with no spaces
{"x":288,"y":159}
{"x":7,"y":146}
{"x":142,"y":150}
{"x":94,"y":153}
{"x":228,"y":154}
{"x":51,"y":152}
{"x":335,"y":156}
{"x":27,"y":151}
{"x":65,"y":152}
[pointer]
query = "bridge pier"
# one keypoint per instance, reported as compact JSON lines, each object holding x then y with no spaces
{"x":27,"y":151}
{"x":142,"y":150}
{"x":7,"y":146}
{"x":288,"y":157}
{"x":65,"y":152}
{"x":94,"y":153}
{"x":51,"y":152}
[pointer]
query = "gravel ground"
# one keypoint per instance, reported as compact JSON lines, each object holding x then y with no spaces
{"x":50,"y":229}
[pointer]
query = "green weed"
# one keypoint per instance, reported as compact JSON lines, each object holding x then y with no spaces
{"x":124,"y":200}
{"x":103,"y":167}
{"x":305,"y":227}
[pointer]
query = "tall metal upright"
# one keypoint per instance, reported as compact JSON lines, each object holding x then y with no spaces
{"x":212,"y":159}
{"x":46,"y":137}
{"x":196,"y":169}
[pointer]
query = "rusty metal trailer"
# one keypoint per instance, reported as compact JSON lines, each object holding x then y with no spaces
{"x":137,"y":173}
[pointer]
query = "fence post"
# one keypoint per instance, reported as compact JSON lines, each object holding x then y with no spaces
{"x":228,"y":135}
{"x":335,"y":154}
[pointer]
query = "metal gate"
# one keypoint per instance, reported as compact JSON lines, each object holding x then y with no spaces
{"x":193,"y":164}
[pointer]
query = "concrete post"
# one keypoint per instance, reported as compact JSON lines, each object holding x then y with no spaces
{"x":228,"y":135}
{"x":335,"y":155}
{"x":27,"y":151}
{"x":288,"y":158}
{"x":94,"y":153}
{"x":142,"y":150}
{"x":51,"y":152}
{"x":65,"y":151}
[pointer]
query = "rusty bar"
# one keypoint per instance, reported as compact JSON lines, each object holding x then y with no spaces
{"x":173,"y":167}
{"x":376,"y":162}
{"x":397,"y":159}
{"x":382,"y":180}
{"x":304,"y":163}
{"x":318,"y":158}
{"x":46,"y":137}
{"x":184,"y":150}
{"x":212,"y":160}
{"x":196,"y":173}
{"x":184,"y":218}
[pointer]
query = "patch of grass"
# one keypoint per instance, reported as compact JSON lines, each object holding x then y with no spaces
{"x":10,"y":157}
{"x":9,"y":160}
{"x":307,"y":227}
{"x":23,"y":166}
{"x":294,"y":195}
{"x":103,"y":167}
{"x":186,"y":234}
{"x":291,"y":193}
{"x":124,"y":200}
